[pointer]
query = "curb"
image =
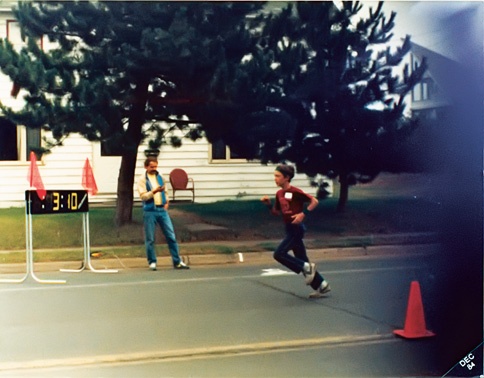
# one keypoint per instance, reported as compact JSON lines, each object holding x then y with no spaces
{"x":197,"y":352}
{"x":165,"y":262}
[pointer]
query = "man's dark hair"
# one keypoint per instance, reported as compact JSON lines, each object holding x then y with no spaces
{"x":149,"y":159}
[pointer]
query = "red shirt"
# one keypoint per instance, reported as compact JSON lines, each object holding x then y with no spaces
{"x":290,"y":202}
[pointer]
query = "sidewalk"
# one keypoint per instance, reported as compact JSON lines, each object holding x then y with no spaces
{"x":347,"y":247}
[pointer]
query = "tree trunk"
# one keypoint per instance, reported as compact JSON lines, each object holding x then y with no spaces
{"x":133,"y":137}
{"x":124,"y":203}
{"x":343,"y":193}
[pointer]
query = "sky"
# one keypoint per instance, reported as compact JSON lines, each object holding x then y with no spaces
{"x":438,"y":25}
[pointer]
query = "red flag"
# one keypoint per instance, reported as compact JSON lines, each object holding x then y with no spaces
{"x":34,"y":178}
{"x":88,"y":181}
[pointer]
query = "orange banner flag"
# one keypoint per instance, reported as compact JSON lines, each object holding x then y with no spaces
{"x":34,"y":178}
{"x":88,"y":181}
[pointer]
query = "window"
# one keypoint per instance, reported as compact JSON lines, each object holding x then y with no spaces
{"x":425,"y":90}
{"x":8,"y":140}
{"x":33,"y":141}
{"x":430,"y":89}
{"x":417,"y":92}
{"x":111,"y":149}
{"x":13,"y":33}
{"x":16,"y":142}
{"x":220,"y":152}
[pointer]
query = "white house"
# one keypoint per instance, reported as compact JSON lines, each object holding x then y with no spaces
{"x":217,"y":175}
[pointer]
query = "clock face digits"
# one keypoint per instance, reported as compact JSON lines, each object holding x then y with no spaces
{"x":57,"y":201}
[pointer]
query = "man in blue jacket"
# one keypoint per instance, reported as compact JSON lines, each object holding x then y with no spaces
{"x":154,"y":194}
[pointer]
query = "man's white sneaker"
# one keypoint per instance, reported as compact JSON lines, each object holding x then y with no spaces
{"x":323,"y":289}
{"x":153,"y":266}
{"x":310,"y":275}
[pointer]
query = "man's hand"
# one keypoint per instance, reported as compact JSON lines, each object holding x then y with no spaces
{"x":266,"y":200}
{"x":159,"y":189}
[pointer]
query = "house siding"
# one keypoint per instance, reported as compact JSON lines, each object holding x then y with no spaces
{"x":62,"y":168}
{"x":214,"y":181}
{"x":218,"y":181}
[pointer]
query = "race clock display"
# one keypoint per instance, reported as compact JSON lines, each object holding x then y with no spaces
{"x":57,"y":201}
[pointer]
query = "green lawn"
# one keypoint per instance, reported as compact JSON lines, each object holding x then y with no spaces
{"x":248,"y":219}
{"x":365,"y":216}
{"x":381,"y":209}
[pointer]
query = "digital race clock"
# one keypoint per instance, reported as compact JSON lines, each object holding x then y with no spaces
{"x":57,"y":201}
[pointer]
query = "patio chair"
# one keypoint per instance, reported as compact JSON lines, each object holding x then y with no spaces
{"x":179,"y":180}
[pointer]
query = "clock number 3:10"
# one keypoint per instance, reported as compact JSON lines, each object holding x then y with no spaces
{"x":71,"y":201}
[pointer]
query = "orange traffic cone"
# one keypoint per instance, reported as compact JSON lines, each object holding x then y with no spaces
{"x":415,"y":319}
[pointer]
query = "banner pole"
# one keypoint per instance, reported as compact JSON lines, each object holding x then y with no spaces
{"x":31,"y":251}
{"x":88,"y":248}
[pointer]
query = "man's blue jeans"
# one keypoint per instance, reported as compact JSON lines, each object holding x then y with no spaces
{"x":294,"y":241}
{"x":160,"y":216}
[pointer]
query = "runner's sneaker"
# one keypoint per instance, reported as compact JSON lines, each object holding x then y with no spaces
{"x":310,"y":275}
{"x":323,"y":289}
{"x":153,"y":266}
{"x":181,"y":265}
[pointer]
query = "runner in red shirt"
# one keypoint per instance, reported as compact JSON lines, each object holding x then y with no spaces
{"x":290,"y":203}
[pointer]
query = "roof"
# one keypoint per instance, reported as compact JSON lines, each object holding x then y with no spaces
{"x":441,"y":68}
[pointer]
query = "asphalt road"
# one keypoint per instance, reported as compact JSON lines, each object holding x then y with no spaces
{"x":235,"y":320}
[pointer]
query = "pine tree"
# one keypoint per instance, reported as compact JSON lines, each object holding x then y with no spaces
{"x":306,"y":85}
{"x":120,"y":69}
{"x":326,"y":92}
